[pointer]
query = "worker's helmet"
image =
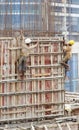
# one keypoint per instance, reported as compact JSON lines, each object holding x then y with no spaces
{"x":71,"y":42}
{"x":27,"y":40}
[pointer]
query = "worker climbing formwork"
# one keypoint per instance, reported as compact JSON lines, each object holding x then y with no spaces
{"x":67,"y":50}
{"x":26,"y":49}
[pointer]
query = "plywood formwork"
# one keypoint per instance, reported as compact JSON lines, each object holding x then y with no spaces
{"x":40,"y":93}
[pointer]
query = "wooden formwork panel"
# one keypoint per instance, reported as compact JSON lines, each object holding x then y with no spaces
{"x":40,"y":93}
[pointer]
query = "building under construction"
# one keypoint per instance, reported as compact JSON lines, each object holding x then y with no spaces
{"x":39,"y":95}
{"x":37,"y":17}
{"x":30,"y":16}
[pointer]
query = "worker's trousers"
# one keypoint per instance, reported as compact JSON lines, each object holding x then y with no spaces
{"x":66,"y":58}
{"x":22,"y":64}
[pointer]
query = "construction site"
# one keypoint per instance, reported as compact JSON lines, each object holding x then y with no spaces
{"x":37,"y":92}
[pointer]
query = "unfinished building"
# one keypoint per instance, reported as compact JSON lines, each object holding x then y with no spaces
{"x":39,"y":94}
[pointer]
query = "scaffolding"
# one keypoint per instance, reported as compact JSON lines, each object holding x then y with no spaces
{"x":32,"y":17}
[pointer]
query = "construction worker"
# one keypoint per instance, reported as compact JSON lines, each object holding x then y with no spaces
{"x":26,"y":50}
{"x":67,"y":48}
{"x":68,"y":109}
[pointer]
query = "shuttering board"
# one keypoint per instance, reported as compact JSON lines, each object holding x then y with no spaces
{"x":40,"y":92}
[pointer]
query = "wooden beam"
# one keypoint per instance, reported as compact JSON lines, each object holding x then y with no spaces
{"x":42,"y":74}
